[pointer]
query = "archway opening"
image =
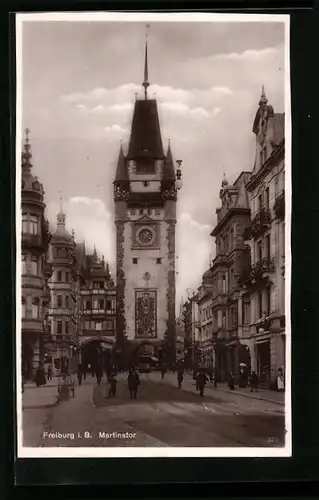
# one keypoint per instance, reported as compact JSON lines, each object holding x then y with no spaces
{"x":95,"y":355}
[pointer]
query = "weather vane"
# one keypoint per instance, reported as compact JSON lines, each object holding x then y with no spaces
{"x":27,"y":131}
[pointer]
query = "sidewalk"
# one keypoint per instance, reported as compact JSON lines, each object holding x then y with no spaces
{"x":263,"y":395}
{"x":40,"y":397}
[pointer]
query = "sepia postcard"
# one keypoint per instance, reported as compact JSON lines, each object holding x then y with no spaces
{"x":153,"y":202}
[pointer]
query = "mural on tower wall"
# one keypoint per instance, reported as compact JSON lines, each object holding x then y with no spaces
{"x":145,"y":313}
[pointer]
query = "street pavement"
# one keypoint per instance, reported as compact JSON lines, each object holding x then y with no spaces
{"x":162,"y":415}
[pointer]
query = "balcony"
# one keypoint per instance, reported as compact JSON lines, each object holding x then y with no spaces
{"x":263,"y":325}
{"x":279,"y":206}
{"x":31,"y":240}
{"x":260,"y":223}
{"x":220,"y":260}
{"x":261,"y":268}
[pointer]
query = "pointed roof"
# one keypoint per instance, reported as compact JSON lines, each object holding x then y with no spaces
{"x":145,"y":140}
{"x":168,"y":167}
{"x":121,"y":171}
{"x":146,"y":83}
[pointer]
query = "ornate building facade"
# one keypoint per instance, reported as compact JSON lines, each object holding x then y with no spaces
{"x":222,"y":342}
{"x":265,"y":236}
{"x":35,"y":294}
{"x":97,"y":309}
{"x":145,"y":196}
{"x":62,"y":312}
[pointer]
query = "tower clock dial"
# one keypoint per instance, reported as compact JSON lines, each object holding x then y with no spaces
{"x":145,"y":236}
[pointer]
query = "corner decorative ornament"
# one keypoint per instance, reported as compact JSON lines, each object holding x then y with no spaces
{"x":121,"y":194}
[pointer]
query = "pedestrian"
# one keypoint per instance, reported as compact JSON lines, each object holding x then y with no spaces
{"x":49,"y":372}
{"x":211,"y":375}
{"x":280,"y":381}
{"x":112,"y":390}
{"x":253,"y":381}
{"x":215,"y":378}
{"x":163,"y":371}
{"x":98,"y":375}
{"x":201,"y":381}
{"x":231,"y":381}
{"x":133,"y":383}
{"x":180,"y":377}
{"x":79,"y":375}
{"x":40,"y":376}
{"x":197,"y":379}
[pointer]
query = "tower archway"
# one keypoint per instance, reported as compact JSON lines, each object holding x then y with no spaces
{"x":97,"y":353}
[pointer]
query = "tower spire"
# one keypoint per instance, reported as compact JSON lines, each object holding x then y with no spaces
{"x":146,"y":83}
{"x":26,"y":153}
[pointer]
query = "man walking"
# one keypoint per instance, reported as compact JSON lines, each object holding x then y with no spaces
{"x":112,"y":390}
{"x":253,"y":382}
{"x":180,"y":377}
{"x":99,"y":375}
{"x":201,"y":381}
{"x":133,"y":383}
{"x":163,"y":371}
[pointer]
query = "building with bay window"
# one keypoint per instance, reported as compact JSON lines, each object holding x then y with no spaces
{"x":264,"y":286}
{"x":62,"y":311}
{"x":35,"y":270}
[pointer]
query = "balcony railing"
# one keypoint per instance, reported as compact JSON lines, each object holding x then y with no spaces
{"x":262,"y":267}
{"x":260,"y":222}
{"x":279,"y":206}
{"x":220,"y":259}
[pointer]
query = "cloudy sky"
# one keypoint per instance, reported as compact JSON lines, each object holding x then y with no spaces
{"x":79,"y":81}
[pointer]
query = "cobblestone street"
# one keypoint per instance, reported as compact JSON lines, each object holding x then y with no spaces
{"x":163,"y":415}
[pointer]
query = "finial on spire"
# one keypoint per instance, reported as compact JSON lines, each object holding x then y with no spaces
{"x":224,"y":181}
{"x":61,"y":201}
{"x":27,"y":131}
{"x":146,"y":83}
{"x":263,"y":99}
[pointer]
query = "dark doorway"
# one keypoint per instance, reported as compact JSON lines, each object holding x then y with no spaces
{"x":263,"y":361}
{"x":96,"y":356}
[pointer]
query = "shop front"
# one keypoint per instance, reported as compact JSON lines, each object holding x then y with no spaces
{"x":263,"y":351}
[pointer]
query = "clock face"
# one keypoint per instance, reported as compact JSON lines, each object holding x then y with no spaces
{"x":145,"y":236}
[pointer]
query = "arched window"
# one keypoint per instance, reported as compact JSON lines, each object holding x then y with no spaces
{"x":35,"y":308}
{"x":23,"y":307}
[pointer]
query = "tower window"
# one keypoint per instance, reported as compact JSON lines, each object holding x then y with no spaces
{"x":146,"y":183}
{"x":59,"y":300}
{"x":24,"y":263}
{"x":34,"y":265}
{"x":141,"y":211}
{"x":59,"y":327}
{"x":34,"y":224}
{"x":108,"y":305}
{"x":67,"y":275}
{"x":67,"y":301}
{"x":35,"y":308}
{"x":101,"y":304}
{"x":135,"y":260}
{"x":66,"y":327}
{"x":25,"y":228}
{"x":145,"y":166}
{"x":59,"y":276}
{"x":158,"y":260}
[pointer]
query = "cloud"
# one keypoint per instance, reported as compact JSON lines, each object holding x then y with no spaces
{"x":248,"y":55}
{"x":194,"y":251}
{"x":92,"y":223}
{"x":115,"y":128}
